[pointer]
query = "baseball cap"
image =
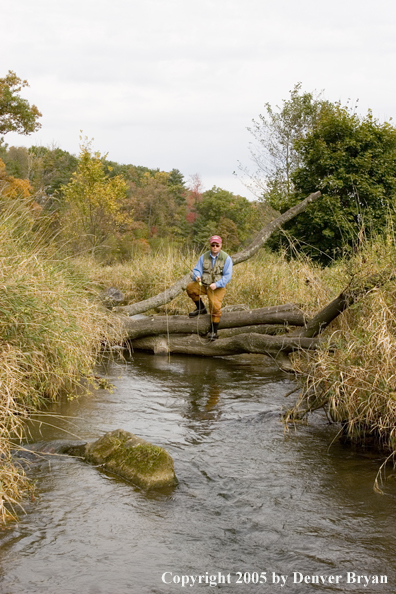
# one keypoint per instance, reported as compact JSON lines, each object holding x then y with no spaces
{"x":216,"y":239}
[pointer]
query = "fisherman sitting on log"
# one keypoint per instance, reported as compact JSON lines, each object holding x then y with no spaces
{"x":210,"y":276}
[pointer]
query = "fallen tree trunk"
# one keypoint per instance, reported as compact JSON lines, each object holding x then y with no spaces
{"x":244,"y":343}
{"x":344,"y":300}
{"x":269,"y":329}
{"x":288,"y":315}
{"x":245,"y":338}
{"x":258,"y":242}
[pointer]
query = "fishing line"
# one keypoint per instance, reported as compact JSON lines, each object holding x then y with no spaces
{"x":203,"y":341}
{"x":167,"y":322}
{"x":203,"y":250}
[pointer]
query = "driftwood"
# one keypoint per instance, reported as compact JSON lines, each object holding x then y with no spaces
{"x":288,"y":315}
{"x":243,"y":343}
{"x":258,"y":242}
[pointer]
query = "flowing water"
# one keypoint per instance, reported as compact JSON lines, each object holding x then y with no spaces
{"x":250,"y":499}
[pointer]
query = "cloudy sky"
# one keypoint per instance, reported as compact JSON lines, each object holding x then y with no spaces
{"x":175,"y":83}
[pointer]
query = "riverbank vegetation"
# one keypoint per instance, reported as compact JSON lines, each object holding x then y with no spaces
{"x":352,"y":376}
{"x":267,"y":279}
{"x":51,"y":332}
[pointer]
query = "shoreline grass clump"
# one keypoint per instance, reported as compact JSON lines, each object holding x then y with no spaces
{"x":353,"y":375}
{"x":50,"y":335}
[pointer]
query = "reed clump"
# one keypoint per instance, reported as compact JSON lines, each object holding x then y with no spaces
{"x":353,"y":375}
{"x":50,"y":335}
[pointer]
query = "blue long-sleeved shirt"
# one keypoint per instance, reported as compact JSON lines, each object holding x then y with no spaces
{"x":227,"y":270}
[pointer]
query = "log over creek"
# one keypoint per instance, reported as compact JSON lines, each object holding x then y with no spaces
{"x":163,"y":335}
{"x":248,"y":331}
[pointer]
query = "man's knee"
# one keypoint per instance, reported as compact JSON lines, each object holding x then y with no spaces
{"x":218,"y":297}
{"x":215,"y":302}
{"x":192,"y":290}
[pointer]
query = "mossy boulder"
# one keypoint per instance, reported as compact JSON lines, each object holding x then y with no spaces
{"x":144,"y":464}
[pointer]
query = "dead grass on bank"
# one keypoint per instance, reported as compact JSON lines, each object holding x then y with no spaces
{"x":50,"y":336}
{"x":353,"y":376}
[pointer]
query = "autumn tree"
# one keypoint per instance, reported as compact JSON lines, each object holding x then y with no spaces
{"x":16,"y":114}
{"x":12,"y":188}
{"x":94,"y":204}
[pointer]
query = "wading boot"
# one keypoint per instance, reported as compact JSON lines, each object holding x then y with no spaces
{"x":212,"y":334}
{"x":200,"y":311}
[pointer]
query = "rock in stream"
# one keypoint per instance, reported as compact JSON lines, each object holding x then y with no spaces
{"x":122,"y":453}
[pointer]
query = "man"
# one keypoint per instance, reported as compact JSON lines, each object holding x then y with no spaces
{"x":210,"y":276}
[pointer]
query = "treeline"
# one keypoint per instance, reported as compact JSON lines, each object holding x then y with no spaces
{"x":114,"y":211}
{"x":308,"y":144}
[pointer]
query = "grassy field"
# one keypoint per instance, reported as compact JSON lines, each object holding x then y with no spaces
{"x":267,"y":279}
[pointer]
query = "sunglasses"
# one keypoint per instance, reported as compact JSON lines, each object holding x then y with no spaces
{"x":215,"y":244}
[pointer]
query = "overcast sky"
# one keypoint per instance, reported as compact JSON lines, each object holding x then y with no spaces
{"x":175,"y":83}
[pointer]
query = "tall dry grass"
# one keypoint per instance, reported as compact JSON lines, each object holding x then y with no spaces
{"x":267,"y":279}
{"x":353,"y":375}
{"x":50,"y":335}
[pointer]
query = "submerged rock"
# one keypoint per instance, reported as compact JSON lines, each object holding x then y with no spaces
{"x":39,"y":449}
{"x":147,"y":465}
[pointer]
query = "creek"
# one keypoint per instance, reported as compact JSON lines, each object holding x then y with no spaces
{"x":250,"y":499}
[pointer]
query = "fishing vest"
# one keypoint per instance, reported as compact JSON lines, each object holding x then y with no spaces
{"x":213,"y":274}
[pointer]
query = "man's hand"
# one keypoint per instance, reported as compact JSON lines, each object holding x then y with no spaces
{"x":198,"y":279}
{"x":213,"y":286}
